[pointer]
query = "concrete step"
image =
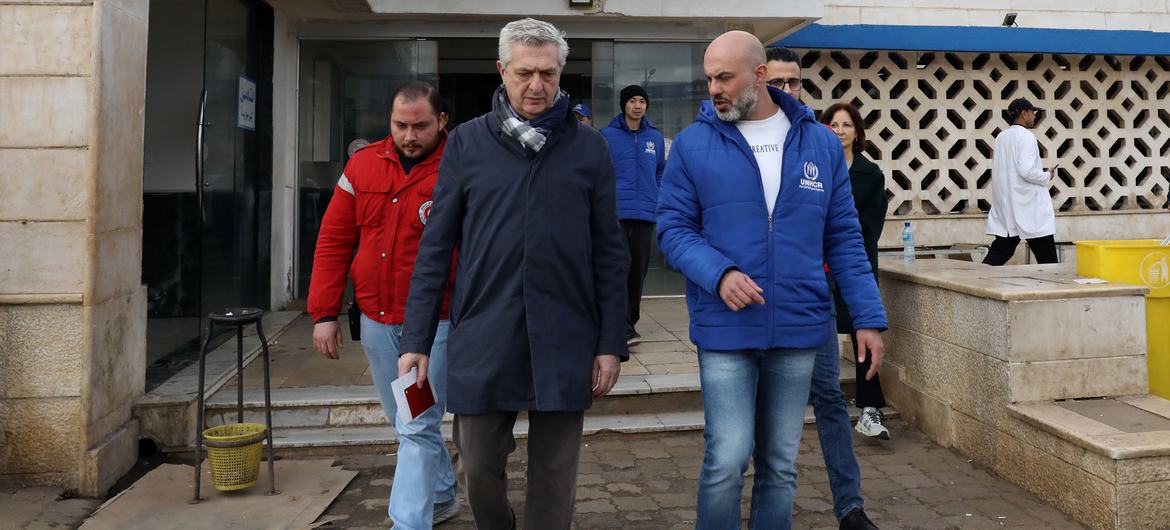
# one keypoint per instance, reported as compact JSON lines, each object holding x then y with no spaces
{"x":349,"y":420}
{"x":370,"y":438}
{"x":364,"y":439}
{"x":167,"y":413}
{"x":352,"y":406}
{"x":1116,"y":428}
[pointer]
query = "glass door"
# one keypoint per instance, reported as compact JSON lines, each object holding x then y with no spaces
{"x":228,"y":176}
{"x":207,"y":170}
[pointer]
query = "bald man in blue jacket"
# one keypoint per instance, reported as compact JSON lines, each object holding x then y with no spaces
{"x":755,"y":199}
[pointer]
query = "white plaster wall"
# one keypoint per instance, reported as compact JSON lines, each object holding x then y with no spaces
{"x":1144,"y":15}
{"x":634,"y":19}
{"x":286,"y":49}
{"x":628,"y":8}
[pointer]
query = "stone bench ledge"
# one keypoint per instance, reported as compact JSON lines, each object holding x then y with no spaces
{"x":1006,"y":283}
{"x":1120,"y":428}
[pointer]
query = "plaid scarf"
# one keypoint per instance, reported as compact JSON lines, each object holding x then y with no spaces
{"x":531,"y":134}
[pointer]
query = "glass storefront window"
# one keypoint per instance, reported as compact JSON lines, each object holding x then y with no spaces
{"x":468,"y":76}
{"x":346,"y":86}
{"x":345,"y":102}
{"x":672,"y":74}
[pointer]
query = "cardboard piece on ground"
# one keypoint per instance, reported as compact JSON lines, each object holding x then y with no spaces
{"x":327,"y":519}
{"x":159,"y":499}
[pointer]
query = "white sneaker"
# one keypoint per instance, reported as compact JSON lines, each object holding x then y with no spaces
{"x":870,"y":424}
{"x":446,"y":511}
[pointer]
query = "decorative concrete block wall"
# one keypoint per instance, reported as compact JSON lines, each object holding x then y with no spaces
{"x":932,"y":119}
{"x":72,"y":310}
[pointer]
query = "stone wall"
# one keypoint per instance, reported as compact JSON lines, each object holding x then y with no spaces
{"x":72,"y":310}
{"x":1148,"y":15}
{"x":976,"y":359}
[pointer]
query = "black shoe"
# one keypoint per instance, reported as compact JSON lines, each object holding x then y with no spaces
{"x":856,"y":520}
{"x":633,"y":338}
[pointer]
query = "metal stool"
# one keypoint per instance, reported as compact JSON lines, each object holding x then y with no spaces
{"x":238,"y":318}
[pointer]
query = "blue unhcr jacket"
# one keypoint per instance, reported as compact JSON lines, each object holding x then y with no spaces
{"x":712,"y":217}
{"x":638,"y":161}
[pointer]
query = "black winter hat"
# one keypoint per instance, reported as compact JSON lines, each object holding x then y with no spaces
{"x":631,"y":91}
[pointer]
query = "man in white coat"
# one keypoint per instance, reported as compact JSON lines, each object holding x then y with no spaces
{"x":1020,"y":204}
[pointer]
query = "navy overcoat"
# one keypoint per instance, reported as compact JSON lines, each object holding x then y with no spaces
{"x":540,"y":273}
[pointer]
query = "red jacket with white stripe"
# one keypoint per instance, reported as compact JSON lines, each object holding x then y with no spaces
{"x":380,"y":209}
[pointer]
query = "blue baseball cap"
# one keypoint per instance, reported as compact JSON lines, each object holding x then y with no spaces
{"x":583,"y":110}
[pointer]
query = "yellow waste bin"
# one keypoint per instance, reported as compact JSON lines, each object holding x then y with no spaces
{"x":234,"y":452}
{"x":1140,"y":262}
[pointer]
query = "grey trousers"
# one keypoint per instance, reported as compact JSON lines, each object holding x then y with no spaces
{"x":554,"y":449}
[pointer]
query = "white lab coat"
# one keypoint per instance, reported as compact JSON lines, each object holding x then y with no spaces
{"x":1020,"y":204}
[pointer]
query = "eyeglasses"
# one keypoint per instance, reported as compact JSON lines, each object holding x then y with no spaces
{"x":779,"y":82}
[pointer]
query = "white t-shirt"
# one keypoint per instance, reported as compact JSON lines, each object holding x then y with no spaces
{"x":766,"y":138}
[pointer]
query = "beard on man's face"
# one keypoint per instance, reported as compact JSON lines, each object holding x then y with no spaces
{"x":741,"y":106}
{"x":414,"y":151}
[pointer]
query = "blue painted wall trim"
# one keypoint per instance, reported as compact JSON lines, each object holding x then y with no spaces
{"x":979,"y":39}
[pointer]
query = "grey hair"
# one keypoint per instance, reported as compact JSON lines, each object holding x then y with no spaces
{"x":531,"y":32}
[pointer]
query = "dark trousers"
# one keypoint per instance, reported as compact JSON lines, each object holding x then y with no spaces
{"x":554,"y":448}
{"x":1003,"y":248}
{"x":638,"y":236}
{"x":869,"y":393}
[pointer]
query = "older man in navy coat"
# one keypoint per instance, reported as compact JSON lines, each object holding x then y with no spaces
{"x":538,"y":306}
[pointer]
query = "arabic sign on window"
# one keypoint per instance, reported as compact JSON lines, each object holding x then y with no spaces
{"x":247,"y":104}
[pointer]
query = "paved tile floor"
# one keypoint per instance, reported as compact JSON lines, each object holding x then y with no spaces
{"x":649,"y":482}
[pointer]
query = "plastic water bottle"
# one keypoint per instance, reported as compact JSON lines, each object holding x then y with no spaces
{"x":908,"y":256}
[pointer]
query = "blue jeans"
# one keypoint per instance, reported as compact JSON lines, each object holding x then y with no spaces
{"x":423,"y":475}
{"x":835,"y":429}
{"x":754,"y":403}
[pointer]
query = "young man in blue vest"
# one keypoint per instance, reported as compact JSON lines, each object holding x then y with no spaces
{"x":639,"y":156}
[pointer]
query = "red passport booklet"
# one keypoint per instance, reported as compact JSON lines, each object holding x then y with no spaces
{"x":411,"y":400}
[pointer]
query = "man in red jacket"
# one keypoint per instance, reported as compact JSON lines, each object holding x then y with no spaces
{"x":380,"y":206}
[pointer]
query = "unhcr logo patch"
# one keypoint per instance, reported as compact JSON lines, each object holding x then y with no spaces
{"x":811,"y":179}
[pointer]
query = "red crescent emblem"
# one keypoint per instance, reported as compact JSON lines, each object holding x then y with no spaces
{"x":424,"y":212}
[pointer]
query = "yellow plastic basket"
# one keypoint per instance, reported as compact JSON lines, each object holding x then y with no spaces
{"x":234,"y":453}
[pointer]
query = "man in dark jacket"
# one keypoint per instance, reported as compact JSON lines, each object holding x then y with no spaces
{"x":755,"y":200}
{"x":538,"y":306}
{"x":638,"y":160}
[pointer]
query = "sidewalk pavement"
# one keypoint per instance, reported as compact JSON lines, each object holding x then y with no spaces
{"x":649,"y":482}
{"x":40,"y":508}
